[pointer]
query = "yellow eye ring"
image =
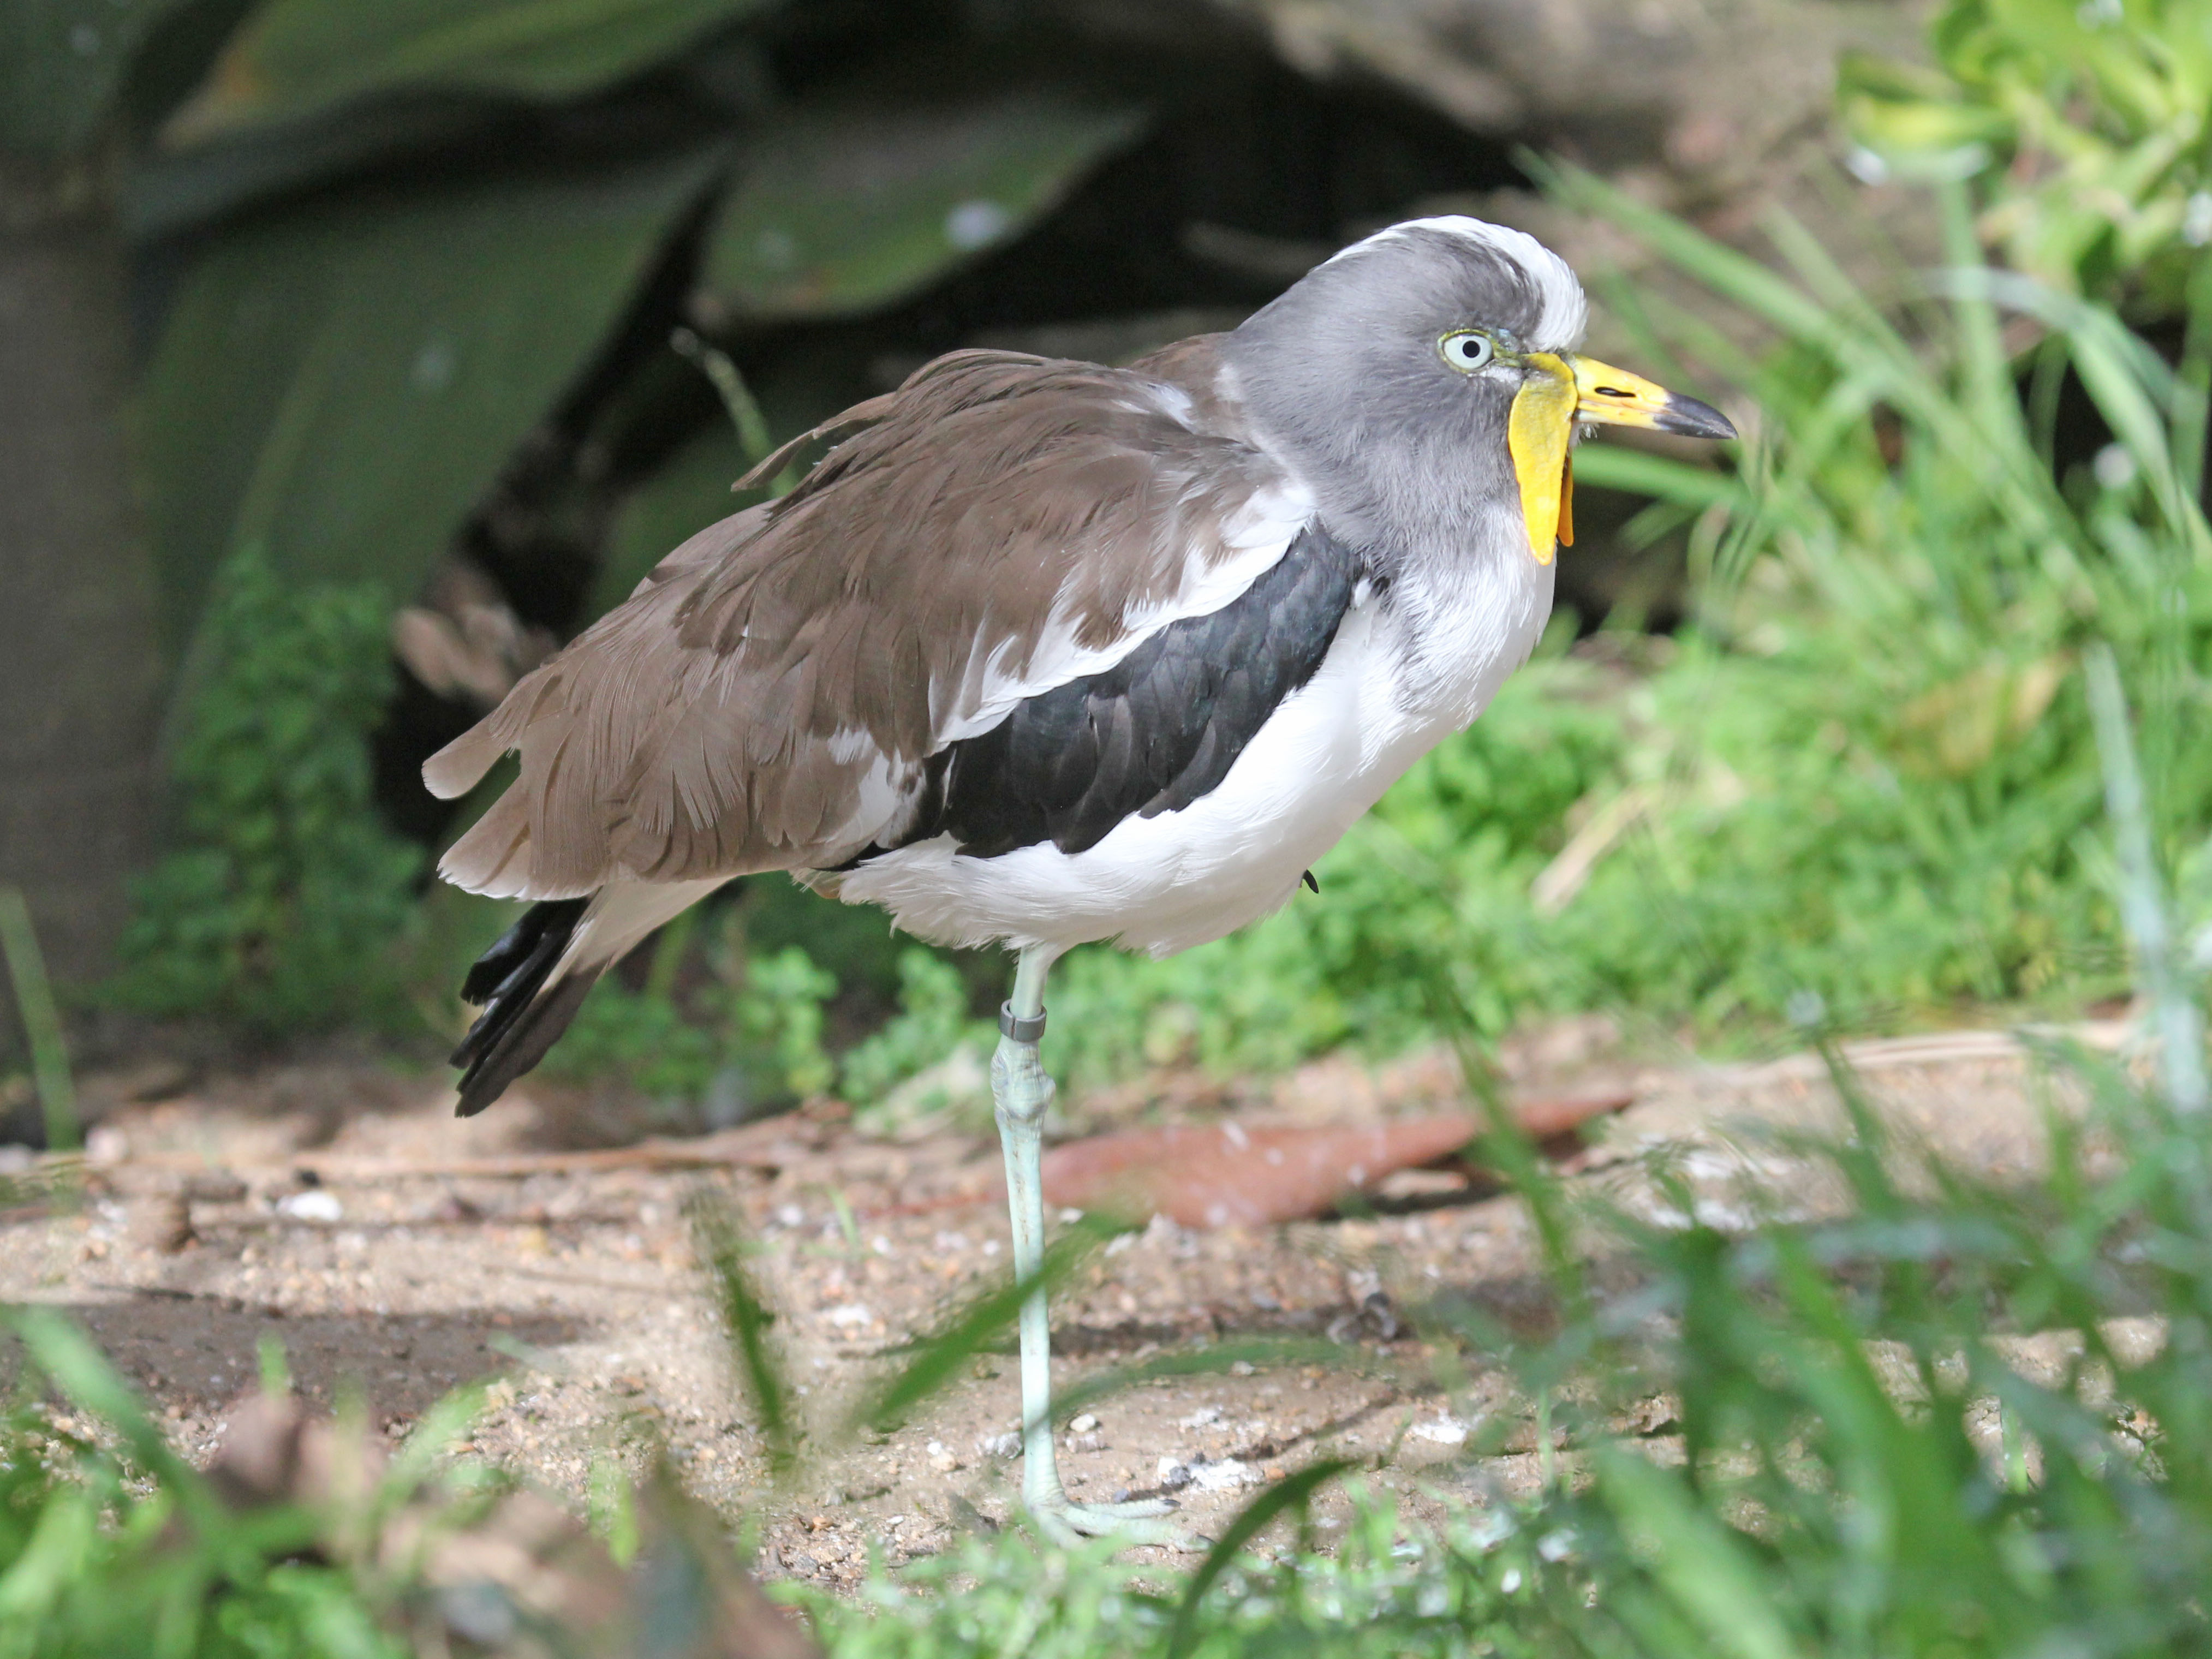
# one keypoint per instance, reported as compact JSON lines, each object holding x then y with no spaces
{"x":1466,"y":350}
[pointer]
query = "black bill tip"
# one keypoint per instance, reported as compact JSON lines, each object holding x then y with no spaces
{"x":1688,"y":418}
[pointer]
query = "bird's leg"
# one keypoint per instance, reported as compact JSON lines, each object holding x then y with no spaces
{"x":1022,"y":1091}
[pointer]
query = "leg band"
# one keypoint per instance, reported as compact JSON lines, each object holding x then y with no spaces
{"x":1020,"y":1029}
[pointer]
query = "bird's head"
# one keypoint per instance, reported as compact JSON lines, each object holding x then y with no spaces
{"x":1430,"y":373}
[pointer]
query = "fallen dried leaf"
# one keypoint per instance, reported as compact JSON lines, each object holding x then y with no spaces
{"x":1226,"y":1174}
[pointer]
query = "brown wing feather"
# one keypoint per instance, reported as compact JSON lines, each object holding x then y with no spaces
{"x":765,"y":698}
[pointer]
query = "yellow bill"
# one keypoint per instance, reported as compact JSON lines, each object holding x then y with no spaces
{"x":1561,"y":391}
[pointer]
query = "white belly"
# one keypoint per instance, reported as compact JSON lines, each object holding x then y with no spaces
{"x":1166,"y":882}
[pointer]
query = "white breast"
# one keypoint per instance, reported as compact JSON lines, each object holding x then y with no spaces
{"x":1397,"y":679}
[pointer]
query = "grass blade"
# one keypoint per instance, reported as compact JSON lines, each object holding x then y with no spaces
{"x":2191,"y":401}
{"x":743,"y":409}
{"x":447,"y":1422}
{"x":1292,"y":1492}
{"x":1701,"y":1565}
{"x":719,"y":1241}
{"x":1735,"y":274}
{"x":738,"y":400}
{"x":69,"y":1361}
{"x":2142,"y":899}
{"x":1613,"y":466}
{"x":972,"y":1330}
{"x":42,"y":1022}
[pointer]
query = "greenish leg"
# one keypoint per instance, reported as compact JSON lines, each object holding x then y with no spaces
{"x":1022,"y":1091}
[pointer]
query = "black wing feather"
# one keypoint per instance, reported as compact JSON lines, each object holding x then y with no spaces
{"x":1154,"y":732}
{"x":518,"y":1024}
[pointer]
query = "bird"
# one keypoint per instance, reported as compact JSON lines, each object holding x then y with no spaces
{"x":1040,"y":653}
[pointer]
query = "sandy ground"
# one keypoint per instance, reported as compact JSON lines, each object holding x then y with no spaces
{"x":395,"y":1251}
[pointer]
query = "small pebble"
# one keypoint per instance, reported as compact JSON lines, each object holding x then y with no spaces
{"x":167,"y":1225}
{"x":1226,"y":1475}
{"x":314,"y":1205}
{"x":1083,"y":1424}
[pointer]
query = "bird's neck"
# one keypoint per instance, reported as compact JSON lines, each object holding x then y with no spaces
{"x":1462,"y":598}
{"x":1466,"y":604}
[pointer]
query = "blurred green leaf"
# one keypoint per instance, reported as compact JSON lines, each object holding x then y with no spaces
{"x":1216,"y":1359}
{"x":1908,"y":108}
{"x":865,"y":196}
{"x":1709,"y":1572}
{"x":300,"y":58}
{"x":342,"y":384}
{"x":169,"y":191}
{"x":1616,"y":466}
{"x":62,"y":64}
{"x":1295,"y":1493}
{"x":2083,"y":124}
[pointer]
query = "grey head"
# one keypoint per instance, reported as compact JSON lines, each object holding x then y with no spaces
{"x":1387,"y":376}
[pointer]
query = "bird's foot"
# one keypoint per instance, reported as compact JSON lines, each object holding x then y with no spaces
{"x":1138,"y":1522}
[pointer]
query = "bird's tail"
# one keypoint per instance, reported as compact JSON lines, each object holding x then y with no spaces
{"x":525,"y":1008}
{"x":531,"y":983}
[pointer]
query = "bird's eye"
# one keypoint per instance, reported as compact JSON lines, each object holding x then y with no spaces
{"x":1466,"y":352}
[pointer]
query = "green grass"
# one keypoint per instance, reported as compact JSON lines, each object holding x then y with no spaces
{"x":111,"y":1545}
{"x":1850,"y":1460}
{"x":1853,"y":1467}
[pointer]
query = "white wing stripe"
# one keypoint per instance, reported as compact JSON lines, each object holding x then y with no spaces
{"x":1257,"y":537}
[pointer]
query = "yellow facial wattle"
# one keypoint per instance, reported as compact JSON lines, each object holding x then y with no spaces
{"x":1538,"y":433}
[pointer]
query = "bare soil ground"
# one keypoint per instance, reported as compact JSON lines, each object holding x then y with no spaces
{"x":394,"y":1250}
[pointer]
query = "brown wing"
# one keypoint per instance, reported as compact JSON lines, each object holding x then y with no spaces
{"x":1001,"y":524}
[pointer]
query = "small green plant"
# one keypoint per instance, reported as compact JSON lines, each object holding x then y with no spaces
{"x":930,"y":1061}
{"x":2083,"y":125}
{"x":1380,"y":1586}
{"x":307,"y":1537}
{"x":111,"y":1546}
{"x":286,"y":902}
{"x":743,"y":1038}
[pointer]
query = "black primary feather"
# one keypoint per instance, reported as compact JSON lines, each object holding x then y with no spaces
{"x":519,"y":1024}
{"x":1152,"y":734}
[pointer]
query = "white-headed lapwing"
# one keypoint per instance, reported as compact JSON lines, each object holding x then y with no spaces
{"x":1042,"y":653}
